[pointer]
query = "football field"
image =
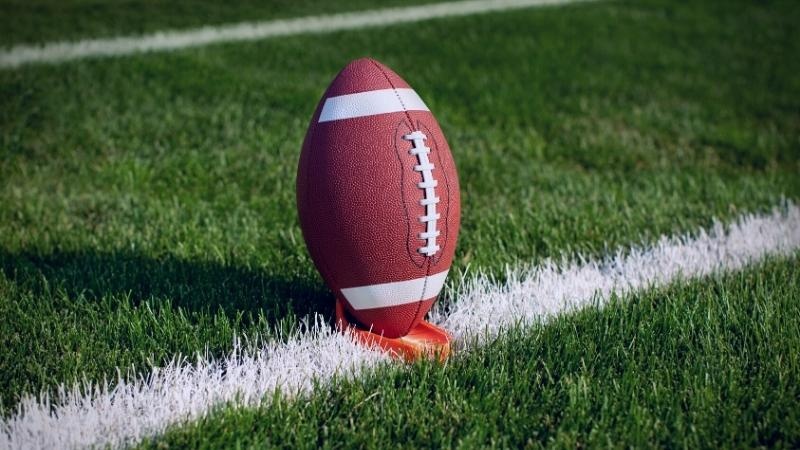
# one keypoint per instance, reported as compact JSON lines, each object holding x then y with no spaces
{"x":627,"y":269}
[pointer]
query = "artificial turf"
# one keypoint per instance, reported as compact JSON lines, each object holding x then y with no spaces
{"x":708,"y":364}
{"x":33,"y":22}
{"x":147,"y":203}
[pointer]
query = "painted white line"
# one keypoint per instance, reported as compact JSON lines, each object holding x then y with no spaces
{"x":134,"y":410}
{"x":370,"y":103}
{"x":176,"y":39}
{"x":552,"y":288}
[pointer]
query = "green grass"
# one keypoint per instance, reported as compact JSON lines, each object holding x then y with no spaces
{"x":709,"y":364}
{"x":147,"y":204}
{"x":40,"y":21}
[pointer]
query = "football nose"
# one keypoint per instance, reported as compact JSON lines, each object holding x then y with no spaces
{"x":362,"y":75}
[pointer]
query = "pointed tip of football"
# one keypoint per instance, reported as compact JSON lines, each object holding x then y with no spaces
{"x":362,"y":75}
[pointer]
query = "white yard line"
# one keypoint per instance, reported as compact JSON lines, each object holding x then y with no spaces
{"x":134,"y":410}
{"x":528,"y":296}
{"x":248,"y":31}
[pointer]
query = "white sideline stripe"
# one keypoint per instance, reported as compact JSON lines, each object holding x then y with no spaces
{"x":555,"y":287}
{"x":370,"y":103}
{"x":53,"y":52}
{"x":137,"y":409}
{"x":396,"y":293}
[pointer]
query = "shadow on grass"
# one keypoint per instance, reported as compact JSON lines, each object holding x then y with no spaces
{"x":190,"y":285}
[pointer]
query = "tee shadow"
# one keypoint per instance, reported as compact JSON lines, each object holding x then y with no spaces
{"x":190,"y":285}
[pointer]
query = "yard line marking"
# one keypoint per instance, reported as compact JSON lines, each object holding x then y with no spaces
{"x":483,"y":308}
{"x":137,"y":409}
{"x":247,"y":31}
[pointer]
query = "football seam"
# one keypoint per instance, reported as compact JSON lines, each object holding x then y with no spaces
{"x":435,"y":260}
{"x":411,"y":126}
{"x":398,"y":152}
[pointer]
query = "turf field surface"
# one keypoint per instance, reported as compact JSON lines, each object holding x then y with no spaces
{"x":170,"y":40}
{"x":712,"y":363}
{"x":482,"y":310}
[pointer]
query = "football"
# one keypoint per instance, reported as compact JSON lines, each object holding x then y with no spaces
{"x":378,"y":198}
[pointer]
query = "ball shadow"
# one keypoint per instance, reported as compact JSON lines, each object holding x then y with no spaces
{"x":190,"y":285}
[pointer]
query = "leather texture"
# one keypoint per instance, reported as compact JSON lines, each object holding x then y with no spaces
{"x":359,"y":202}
